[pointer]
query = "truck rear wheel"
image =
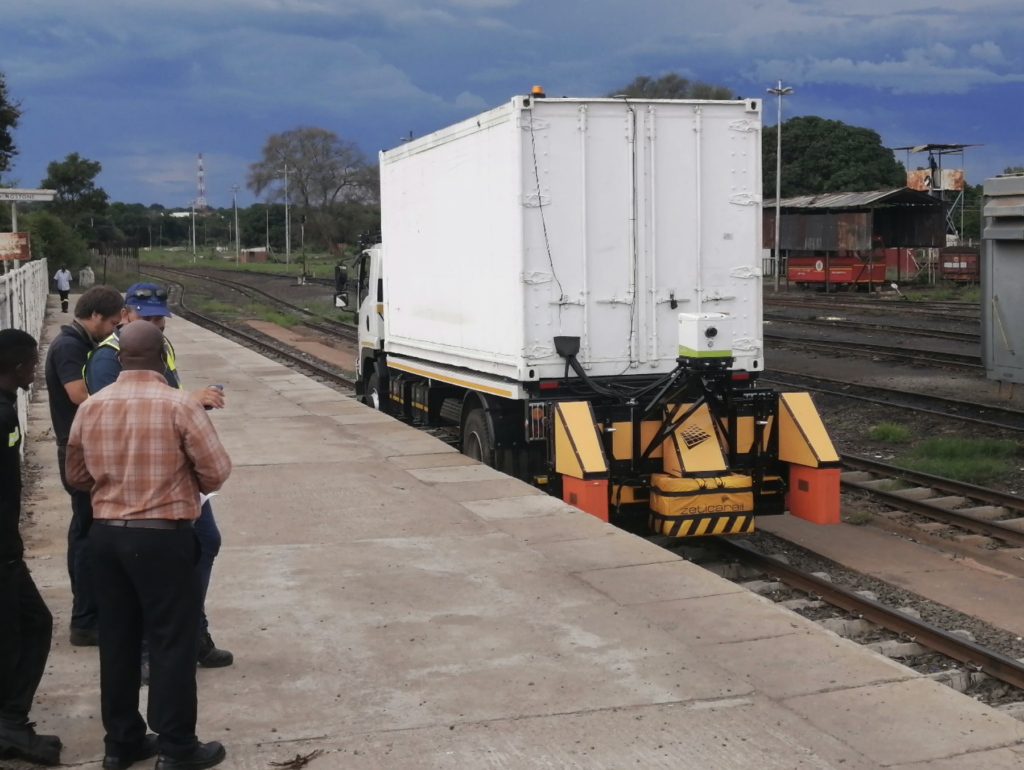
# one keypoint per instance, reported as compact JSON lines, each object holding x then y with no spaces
{"x":476,"y":438}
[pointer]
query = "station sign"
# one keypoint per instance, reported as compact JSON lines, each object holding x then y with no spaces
{"x":14,"y":246}
{"x":15,"y":195}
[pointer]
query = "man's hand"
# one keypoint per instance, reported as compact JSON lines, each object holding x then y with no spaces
{"x":210,"y":397}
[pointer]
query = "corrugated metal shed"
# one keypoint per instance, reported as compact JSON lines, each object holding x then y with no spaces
{"x":857,"y":221}
{"x":859,"y":200}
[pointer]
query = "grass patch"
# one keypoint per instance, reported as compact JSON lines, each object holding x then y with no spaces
{"x":976,"y":461}
{"x":287,"y":320}
{"x":214,"y":306}
{"x":859,"y":518}
{"x":890,"y":433}
{"x":943,"y":294}
{"x":972,"y":294}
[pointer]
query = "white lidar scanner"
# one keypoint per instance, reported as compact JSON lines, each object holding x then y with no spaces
{"x":705,"y":338}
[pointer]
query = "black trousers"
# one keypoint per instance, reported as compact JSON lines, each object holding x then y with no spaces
{"x":24,"y":641}
{"x":63,"y":300}
{"x":147,"y":578}
{"x":84,"y":610}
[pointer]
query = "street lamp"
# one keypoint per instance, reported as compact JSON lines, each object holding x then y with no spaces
{"x":779,"y":92}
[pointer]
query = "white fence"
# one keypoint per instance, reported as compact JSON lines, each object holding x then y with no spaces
{"x":23,"y":306}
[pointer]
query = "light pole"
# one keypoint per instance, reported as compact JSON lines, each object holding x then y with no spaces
{"x":234,"y":201}
{"x":287,"y":221}
{"x":192,"y":207}
{"x":779,"y":92}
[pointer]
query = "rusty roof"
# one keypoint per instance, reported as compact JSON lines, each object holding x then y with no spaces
{"x":856,"y":200}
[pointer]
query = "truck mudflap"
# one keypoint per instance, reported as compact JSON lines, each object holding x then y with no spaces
{"x":717,"y":505}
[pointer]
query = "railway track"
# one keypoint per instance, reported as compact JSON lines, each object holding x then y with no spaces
{"x":991,"y":416}
{"x":854,"y":326}
{"x":965,"y":506}
{"x":974,"y":656}
{"x":963,"y":362}
{"x":250,"y":340}
{"x":969,"y":314}
{"x":330,"y":327}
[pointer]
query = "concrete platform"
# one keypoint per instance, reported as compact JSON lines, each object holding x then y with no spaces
{"x":396,"y":605}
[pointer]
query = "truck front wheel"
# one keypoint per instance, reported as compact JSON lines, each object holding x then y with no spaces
{"x":476,"y":438}
{"x":374,"y":398}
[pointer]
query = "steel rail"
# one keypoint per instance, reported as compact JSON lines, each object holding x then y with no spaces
{"x":993,"y":663}
{"x":967,"y":337}
{"x":887,"y":307}
{"x":960,"y":361}
{"x":900,"y":398}
{"x":340,"y":329}
{"x":959,"y":519}
{"x":224,"y":329}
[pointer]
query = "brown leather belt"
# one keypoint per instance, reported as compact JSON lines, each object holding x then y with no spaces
{"x":147,"y":523}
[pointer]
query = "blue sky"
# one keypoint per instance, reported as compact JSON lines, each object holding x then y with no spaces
{"x":144,"y":86}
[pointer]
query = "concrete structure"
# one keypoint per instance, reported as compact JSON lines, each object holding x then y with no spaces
{"x":396,"y":605}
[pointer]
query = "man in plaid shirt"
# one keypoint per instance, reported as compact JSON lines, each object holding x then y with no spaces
{"x":145,"y":451}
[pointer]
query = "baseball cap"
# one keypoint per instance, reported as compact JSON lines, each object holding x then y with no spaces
{"x":143,"y":299}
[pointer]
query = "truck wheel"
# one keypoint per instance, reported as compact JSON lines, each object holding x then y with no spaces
{"x":374,"y":398}
{"x":476,"y":438}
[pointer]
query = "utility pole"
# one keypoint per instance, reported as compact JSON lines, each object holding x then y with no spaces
{"x":779,"y":92}
{"x":234,"y":200}
{"x":287,"y":221}
{"x":192,"y":206}
{"x":268,"y":231}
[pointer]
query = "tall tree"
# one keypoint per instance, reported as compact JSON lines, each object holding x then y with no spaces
{"x":672,"y":85}
{"x":324,"y":172}
{"x":78,"y":197}
{"x":10,"y":114}
{"x":823,"y":156}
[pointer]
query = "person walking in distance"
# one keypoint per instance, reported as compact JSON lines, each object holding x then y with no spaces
{"x":63,"y":280}
{"x":146,"y":451}
{"x":148,"y":302}
{"x":96,"y":313}
{"x":27,"y":623}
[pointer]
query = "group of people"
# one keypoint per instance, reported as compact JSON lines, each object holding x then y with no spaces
{"x":135,"y":453}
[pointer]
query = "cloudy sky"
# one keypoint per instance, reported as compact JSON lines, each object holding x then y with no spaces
{"x":144,"y":86}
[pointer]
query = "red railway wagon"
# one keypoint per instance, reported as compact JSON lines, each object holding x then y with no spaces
{"x":843,"y":271}
{"x":959,"y":264}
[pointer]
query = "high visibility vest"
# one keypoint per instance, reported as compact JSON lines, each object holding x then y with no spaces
{"x":114,"y":342}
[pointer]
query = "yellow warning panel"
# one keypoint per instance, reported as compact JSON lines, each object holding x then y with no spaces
{"x":699,"y":526}
{"x":745,"y":434}
{"x":579,"y":453}
{"x":694,"y":447}
{"x":622,"y":438}
{"x":803,"y":439}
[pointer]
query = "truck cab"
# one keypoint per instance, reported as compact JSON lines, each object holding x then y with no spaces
{"x":369,"y":304}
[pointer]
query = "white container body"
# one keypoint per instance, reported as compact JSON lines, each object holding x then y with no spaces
{"x":596,"y":218}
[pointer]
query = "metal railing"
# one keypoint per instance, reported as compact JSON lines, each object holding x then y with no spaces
{"x":23,"y":306}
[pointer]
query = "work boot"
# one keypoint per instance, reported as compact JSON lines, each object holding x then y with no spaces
{"x":85,"y":637}
{"x":203,"y":755}
{"x":22,"y":741}
{"x":209,"y":656}
{"x":148,"y":748}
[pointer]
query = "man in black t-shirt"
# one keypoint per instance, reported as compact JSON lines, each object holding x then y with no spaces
{"x":97,"y":312}
{"x":24,"y":617}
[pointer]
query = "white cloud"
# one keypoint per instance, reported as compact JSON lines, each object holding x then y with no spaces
{"x":987,"y":52}
{"x":921,"y":70}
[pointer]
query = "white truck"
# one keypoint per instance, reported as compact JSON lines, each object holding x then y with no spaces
{"x":574,"y":287}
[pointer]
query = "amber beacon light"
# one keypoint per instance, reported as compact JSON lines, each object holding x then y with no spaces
{"x":538,"y":92}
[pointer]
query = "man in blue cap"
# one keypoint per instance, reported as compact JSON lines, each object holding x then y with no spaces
{"x":148,"y":302}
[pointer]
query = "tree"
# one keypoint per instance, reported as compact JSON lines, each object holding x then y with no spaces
{"x":822,"y":156}
{"x":1014,"y":170}
{"x":672,"y":86}
{"x":324,"y":172}
{"x":10,"y":114}
{"x":54,"y":240}
{"x":77,"y":197}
